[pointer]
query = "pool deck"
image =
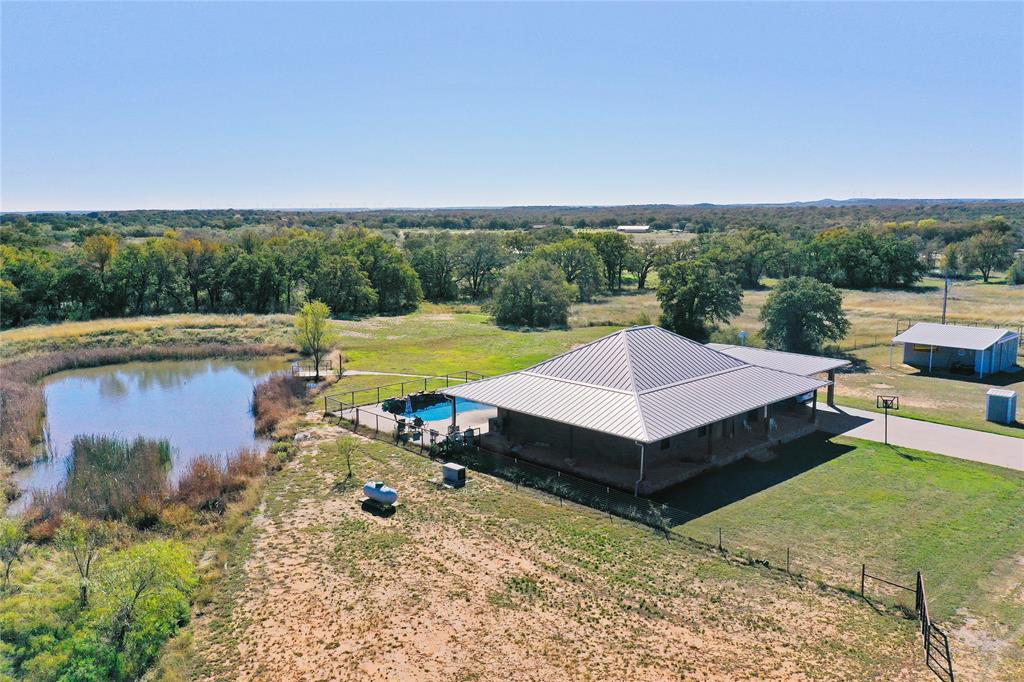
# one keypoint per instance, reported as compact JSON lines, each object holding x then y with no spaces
{"x":374,"y":416}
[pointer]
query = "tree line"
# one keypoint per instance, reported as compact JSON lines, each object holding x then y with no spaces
{"x":527,"y":277}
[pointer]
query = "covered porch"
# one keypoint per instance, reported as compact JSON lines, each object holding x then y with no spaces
{"x":645,"y":468}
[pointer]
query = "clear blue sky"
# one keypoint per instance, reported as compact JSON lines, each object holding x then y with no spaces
{"x":116,"y":106}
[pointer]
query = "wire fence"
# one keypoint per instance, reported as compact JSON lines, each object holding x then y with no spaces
{"x":851,"y":575}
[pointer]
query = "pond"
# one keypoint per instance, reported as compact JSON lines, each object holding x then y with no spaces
{"x":200,"y":406}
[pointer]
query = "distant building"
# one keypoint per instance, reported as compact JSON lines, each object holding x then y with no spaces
{"x":973,"y":350}
{"x":634,"y":229}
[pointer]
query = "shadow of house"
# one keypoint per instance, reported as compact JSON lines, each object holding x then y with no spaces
{"x":722,"y":487}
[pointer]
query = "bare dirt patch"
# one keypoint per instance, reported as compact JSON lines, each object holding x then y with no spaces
{"x":487,"y":583}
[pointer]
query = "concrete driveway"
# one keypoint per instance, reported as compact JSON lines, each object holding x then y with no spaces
{"x":977,"y":446}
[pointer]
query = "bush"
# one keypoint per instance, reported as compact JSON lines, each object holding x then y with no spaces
{"x":209,"y":486}
{"x":274,"y":398}
{"x":1016,"y":273}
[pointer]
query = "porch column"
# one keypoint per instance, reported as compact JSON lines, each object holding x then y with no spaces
{"x":830,"y":396}
{"x":814,"y":407}
{"x":766,"y":424}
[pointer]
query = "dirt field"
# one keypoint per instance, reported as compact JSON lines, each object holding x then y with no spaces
{"x":490,"y":583}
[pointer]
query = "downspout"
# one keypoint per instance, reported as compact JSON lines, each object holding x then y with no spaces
{"x":636,"y":489}
{"x":931,"y":352}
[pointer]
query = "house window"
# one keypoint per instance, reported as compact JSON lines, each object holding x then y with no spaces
{"x":664,"y":443}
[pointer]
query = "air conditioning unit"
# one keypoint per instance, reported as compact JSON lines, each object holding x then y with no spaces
{"x":454,"y":474}
{"x":1001,"y":406}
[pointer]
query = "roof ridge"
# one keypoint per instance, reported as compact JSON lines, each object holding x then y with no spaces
{"x":627,"y":350}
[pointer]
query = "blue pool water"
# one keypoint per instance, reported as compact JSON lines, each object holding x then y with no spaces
{"x":444,"y":410}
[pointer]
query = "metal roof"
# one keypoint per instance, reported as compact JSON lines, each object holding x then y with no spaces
{"x":953,"y":336}
{"x":642,"y":383}
{"x":795,"y":363}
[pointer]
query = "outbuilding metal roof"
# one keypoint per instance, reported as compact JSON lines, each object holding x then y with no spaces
{"x":795,"y":363}
{"x":642,"y":383}
{"x":953,"y":336}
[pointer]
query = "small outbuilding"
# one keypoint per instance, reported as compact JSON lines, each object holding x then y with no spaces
{"x":634,"y":229}
{"x":956,"y":348}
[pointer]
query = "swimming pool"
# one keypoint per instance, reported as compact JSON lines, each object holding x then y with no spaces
{"x":444,"y":410}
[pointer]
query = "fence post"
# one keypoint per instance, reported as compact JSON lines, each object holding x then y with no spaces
{"x":357,"y":417}
{"x":863,"y":573}
{"x":378,"y":394}
{"x":424,"y":384}
{"x":917,"y":595}
{"x":353,"y":398}
{"x":719,"y":538}
{"x":376,"y":423}
{"x":787,"y":560}
{"x":325,"y":406}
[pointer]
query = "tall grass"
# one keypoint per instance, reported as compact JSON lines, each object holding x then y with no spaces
{"x":111,"y":478}
{"x":22,"y":404}
{"x":274,"y":398}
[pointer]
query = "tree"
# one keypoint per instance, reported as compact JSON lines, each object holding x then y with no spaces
{"x":615,"y":250}
{"x":644,"y":260}
{"x":479,"y":256}
{"x":578,"y":260}
{"x":533,"y":293}
{"x":988,"y":251}
{"x":696,"y":294}
{"x":143,"y":597}
{"x":952,"y":260}
{"x":433,"y":257}
{"x":801,"y":313}
{"x":83,"y":539}
{"x":313,"y":332}
{"x":99,"y":250}
{"x":12,"y":541}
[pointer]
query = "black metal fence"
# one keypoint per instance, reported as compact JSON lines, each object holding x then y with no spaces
{"x":360,"y":397}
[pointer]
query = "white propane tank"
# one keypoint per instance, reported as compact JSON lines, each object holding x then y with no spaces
{"x":380,"y":493}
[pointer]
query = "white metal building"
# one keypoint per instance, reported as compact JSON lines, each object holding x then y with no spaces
{"x":975,"y":350}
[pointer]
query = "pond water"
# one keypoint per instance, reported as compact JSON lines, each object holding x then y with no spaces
{"x":200,"y":406}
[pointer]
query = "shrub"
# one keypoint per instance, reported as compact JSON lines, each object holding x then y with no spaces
{"x":1016,"y":273}
{"x":274,"y":398}
{"x":200,"y":486}
{"x":208,"y":485}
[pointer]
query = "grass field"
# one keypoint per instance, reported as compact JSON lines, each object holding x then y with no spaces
{"x":458,"y":583}
{"x":491,"y":583}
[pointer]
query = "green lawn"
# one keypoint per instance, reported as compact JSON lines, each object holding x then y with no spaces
{"x":837,"y":503}
{"x":946,"y":399}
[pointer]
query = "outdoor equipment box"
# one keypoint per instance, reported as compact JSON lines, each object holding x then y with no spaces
{"x":1001,"y":406}
{"x":454,"y":474}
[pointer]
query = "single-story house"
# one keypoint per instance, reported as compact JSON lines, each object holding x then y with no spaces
{"x":634,"y":229}
{"x":979,"y":350}
{"x":794,"y":363}
{"x":643,"y":409}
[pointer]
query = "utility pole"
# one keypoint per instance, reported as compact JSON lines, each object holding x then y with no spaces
{"x":945,"y":297}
